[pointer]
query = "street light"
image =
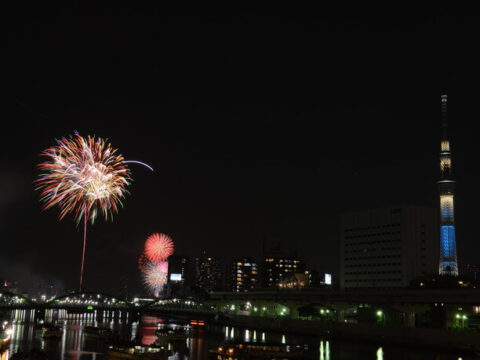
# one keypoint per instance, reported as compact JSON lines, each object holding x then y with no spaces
{"x":462,"y":318}
{"x":380,"y":316}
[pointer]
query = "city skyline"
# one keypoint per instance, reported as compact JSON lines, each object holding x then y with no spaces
{"x":273,"y":146}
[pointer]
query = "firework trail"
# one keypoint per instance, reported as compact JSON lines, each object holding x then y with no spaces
{"x":158,"y":247}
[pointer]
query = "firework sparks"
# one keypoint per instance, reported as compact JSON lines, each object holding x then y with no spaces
{"x":155,"y":276}
{"x":142,"y":262}
{"x":158,"y":247}
{"x":83,"y":176}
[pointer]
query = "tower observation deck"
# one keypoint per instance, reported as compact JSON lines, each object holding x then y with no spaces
{"x":446,"y":186}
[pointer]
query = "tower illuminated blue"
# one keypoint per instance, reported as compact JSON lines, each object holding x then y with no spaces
{"x":446,"y":186}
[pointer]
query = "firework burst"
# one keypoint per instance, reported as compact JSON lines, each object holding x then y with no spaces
{"x":158,"y":247}
{"x":83,"y":176}
{"x":155,"y":276}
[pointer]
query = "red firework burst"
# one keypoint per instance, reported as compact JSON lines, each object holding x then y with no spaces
{"x":158,"y":247}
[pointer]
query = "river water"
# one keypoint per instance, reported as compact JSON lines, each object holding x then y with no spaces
{"x":75,"y":345}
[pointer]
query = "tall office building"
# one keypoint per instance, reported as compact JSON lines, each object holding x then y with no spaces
{"x":446,"y":185}
{"x":388,"y":247}
{"x":208,"y":273}
{"x":177,"y":269}
{"x":277,"y":268}
{"x":242,"y":275}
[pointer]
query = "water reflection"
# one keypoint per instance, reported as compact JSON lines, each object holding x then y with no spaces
{"x":380,"y":354}
{"x":247,"y":335}
{"x":75,"y":344}
{"x":148,"y":328}
{"x":324,"y":350}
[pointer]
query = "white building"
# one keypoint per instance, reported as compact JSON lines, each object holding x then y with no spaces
{"x":388,"y":247}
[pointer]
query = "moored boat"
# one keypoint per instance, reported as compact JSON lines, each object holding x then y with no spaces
{"x":259,"y":351}
{"x":172,"y":334}
{"x":98,"y":332}
{"x":138,"y":352}
{"x":52,"y":332}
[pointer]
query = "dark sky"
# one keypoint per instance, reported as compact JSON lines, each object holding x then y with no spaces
{"x":260,"y":124}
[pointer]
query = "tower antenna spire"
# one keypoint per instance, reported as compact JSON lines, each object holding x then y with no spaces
{"x":444,"y":116}
{"x":446,"y":188}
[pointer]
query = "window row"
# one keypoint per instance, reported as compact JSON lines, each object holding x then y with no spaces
{"x":371,"y":242}
{"x":373,"y":257}
{"x":372,"y":265}
{"x":372,"y":235}
{"x":372,"y":227}
{"x":372,"y":280}
{"x":373,"y":272}
{"x":372,"y":249}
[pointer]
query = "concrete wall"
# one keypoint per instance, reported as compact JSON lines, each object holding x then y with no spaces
{"x":439,"y":338}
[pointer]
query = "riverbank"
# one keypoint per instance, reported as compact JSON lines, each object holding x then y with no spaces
{"x":451,"y":340}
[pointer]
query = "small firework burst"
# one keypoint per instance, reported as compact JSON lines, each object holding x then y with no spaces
{"x":155,"y":276}
{"x":158,"y":247}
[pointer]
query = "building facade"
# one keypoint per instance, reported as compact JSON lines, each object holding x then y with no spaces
{"x":278,"y":269}
{"x":178,"y":269}
{"x":208,"y":273}
{"x":388,"y":247}
{"x":243,"y":275}
{"x":473,"y":271}
{"x":446,"y":185}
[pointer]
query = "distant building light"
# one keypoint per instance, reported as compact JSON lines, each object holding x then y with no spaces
{"x":328,"y":279}
{"x":175,"y":277}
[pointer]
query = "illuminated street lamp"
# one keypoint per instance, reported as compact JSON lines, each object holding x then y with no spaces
{"x":461,"y":320}
{"x":380,"y":316}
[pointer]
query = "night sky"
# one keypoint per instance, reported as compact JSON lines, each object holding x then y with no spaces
{"x":260,"y":124}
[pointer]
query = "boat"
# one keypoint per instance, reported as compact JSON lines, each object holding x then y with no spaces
{"x":98,"y":332}
{"x":138,"y":352}
{"x":178,"y":334}
{"x":262,"y":351}
{"x":197,"y":323}
{"x":52,"y":332}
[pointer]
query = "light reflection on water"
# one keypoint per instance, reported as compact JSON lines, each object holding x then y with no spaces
{"x":74,"y":345}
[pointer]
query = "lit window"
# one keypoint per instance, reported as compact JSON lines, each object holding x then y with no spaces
{"x":445,"y":146}
{"x":445,"y":163}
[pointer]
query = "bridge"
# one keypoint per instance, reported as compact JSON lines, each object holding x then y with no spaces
{"x":448,"y":308}
{"x":391,"y":296}
{"x":96,"y":301}
{"x":181,"y":304}
{"x":9,"y":300}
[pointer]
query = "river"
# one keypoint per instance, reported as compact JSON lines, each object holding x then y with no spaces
{"x":75,"y":345}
